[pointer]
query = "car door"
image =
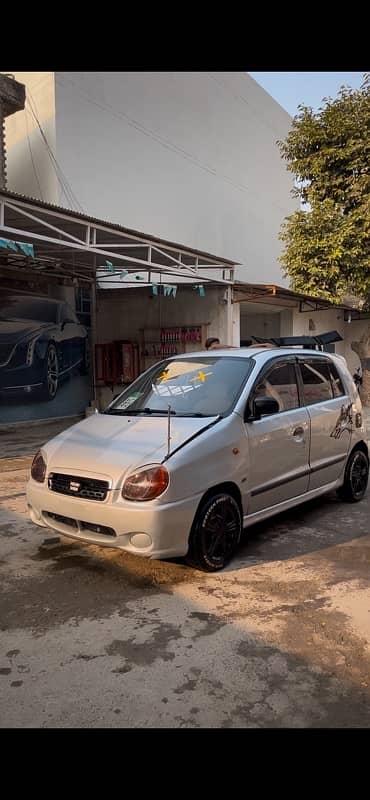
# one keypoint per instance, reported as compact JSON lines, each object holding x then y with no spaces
{"x":329,"y":407}
{"x":278,"y":443}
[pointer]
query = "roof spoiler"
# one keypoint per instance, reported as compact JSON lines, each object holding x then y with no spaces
{"x":311,"y":342}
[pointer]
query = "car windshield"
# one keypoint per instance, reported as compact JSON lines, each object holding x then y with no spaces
{"x":35,"y":308}
{"x":202,"y":386}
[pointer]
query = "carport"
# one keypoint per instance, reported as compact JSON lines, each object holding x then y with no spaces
{"x":45,"y":246}
{"x":270,"y":311}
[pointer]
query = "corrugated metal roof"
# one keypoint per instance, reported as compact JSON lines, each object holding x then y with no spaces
{"x":113,"y":226}
{"x":279,"y":292}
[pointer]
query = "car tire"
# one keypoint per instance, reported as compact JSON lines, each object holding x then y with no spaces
{"x":215,"y":533}
{"x":85,"y":363}
{"x":50,"y":374}
{"x":355,"y":477}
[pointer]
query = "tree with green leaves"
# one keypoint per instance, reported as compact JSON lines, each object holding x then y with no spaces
{"x":327,"y":241}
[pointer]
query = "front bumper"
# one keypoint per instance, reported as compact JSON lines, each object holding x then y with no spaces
{"x":19,"y":379}
{"x":145,"y":529}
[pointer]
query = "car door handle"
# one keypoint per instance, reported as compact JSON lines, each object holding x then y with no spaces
{"x":298,"y":433}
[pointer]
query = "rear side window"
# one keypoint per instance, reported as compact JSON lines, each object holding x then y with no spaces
{"x":317,"y":382}
{"x":281,"y":384}
{"x":336,"y":381}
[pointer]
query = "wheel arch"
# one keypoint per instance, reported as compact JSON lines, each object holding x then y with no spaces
{"x":359,"y":446}
{"x":228,"y":487}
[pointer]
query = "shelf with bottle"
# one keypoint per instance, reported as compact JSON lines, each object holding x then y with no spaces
{"x":183,"y":335}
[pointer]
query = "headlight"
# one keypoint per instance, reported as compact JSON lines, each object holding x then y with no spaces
{"x":23,"y":353}
{"x":146,"y":483}
{"x":38,"y":468}
{"x":30,"y":351}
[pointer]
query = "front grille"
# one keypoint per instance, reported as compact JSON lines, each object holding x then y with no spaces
{"x":74,"y":486}
{"x":5,"y":351}
{"x":101,"y":529}
{"x":72,"y":523}
{"x":80,"y":525}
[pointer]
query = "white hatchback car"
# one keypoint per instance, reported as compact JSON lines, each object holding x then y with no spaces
{"x":200,"y":446}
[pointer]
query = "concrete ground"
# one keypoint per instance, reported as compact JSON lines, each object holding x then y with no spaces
{"x":95,"y":638}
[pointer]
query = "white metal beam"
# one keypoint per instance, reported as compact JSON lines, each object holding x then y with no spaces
{"x":44,"y":223}
{"x":18,"y":205}
{"x":161,"y":268}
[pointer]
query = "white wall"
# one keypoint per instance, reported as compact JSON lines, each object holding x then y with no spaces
{"x":353,"y":332}
{"x":259,"y":325}
{"x":30,"y":169}
{"x":292,"y":322}
{"x":286,"y":322}
{"x":327,"y":320}
{"x":333,"y":319}
{"x":191,"y":157}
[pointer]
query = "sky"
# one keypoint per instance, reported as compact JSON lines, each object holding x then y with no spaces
{"x":309,"y":88}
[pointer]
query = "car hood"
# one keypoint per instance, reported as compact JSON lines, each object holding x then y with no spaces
{"x":110,"y":446}
{"x":14,"y":330}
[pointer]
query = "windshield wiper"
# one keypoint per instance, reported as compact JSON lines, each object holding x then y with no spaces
{"x":117,"y":411}
{"x":196,"y":414}
{"x":136,"y":411}
{"x":148,"y":410}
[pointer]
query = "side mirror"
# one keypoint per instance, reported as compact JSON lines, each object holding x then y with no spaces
{"x":263,"y":406}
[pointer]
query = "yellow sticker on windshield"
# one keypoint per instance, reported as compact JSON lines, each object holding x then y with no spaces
{"x":201,"y":376}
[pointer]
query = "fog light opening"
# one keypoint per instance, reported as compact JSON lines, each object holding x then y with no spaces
{"x":140,"y":540}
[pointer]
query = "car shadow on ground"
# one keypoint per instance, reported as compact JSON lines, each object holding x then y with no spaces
{"x":319,"y":524}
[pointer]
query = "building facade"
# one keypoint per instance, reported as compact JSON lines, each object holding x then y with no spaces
{"x":190,"y":157}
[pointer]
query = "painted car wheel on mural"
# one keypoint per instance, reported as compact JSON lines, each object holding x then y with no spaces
{"x":51,"y":374}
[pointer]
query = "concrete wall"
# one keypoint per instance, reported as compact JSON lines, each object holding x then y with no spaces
{"x":328,"y":320}
{"x":333,"y":319}
{"x":121,"y":314}
{"x":29,"y":165}
{"x":259,"y":325}
{"x":292,"y":322}
{"x":353,"y":332}
{"x":286,"y":322}
{"x":191,"y":157}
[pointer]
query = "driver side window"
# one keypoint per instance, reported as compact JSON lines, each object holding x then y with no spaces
{"x":280,"y":383}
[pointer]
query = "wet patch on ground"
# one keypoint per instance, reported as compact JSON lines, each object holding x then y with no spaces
{"x":154,"y":647}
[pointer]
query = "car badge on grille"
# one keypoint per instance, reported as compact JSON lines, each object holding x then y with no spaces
{"x":74,"y":486}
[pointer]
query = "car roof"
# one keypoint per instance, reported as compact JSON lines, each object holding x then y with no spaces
{"x":263,"y":353}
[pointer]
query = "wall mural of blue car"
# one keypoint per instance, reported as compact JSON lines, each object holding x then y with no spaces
{"x":41,"y":342}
